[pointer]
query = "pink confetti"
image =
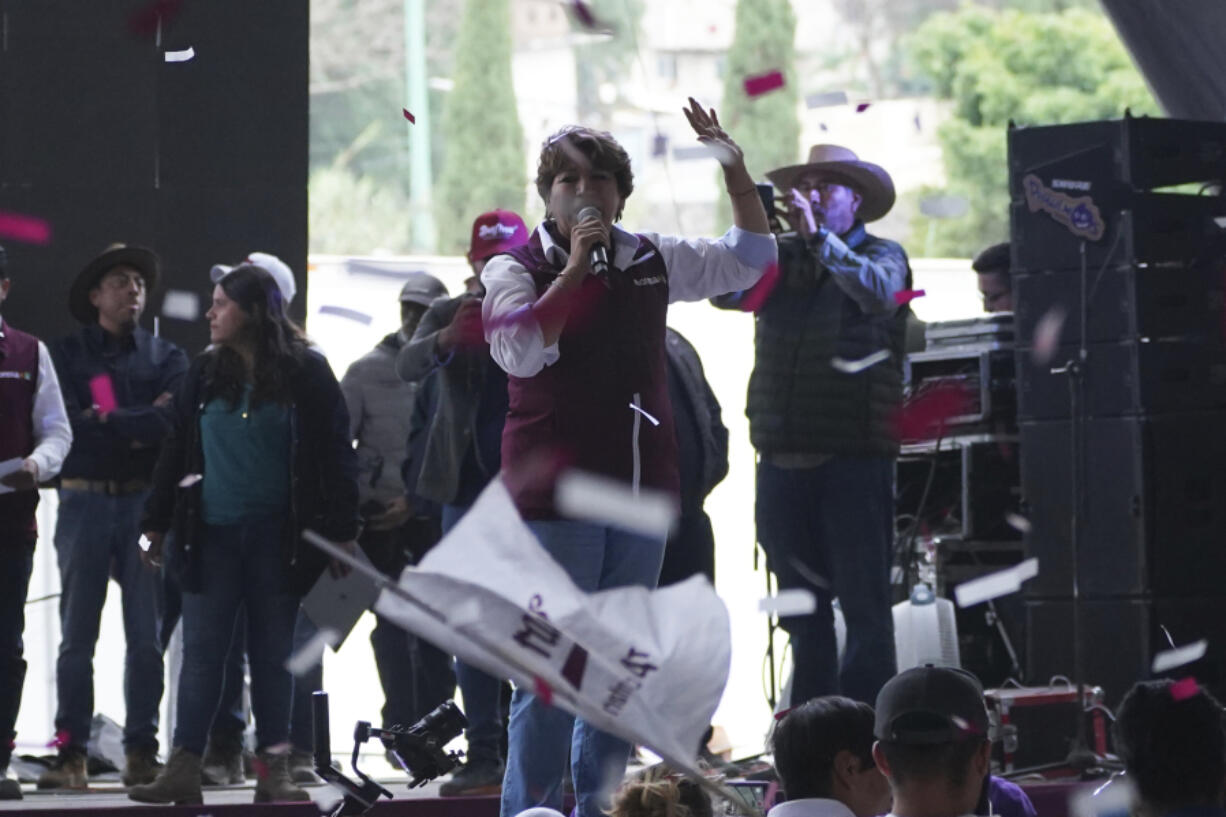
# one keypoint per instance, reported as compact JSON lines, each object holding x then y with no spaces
{"x":1182,"y":690}
{"x":260,"y":767}
{"x":1047,"y":335}
{"x":543,"y":690}
{"x":756,"y":297}
{"x":583,"y":14}
{"x":763,"y":83}
{"x":62,"y":738}
{"x":925,"y":415}
{"x":782,"y":713}
{"x":145,"y":20}
{"x":26,"y":229}
{"x":102,"y":391}
{"x":906,"y":296}
{"x":409,"y":116}
{"x":862,"y":107}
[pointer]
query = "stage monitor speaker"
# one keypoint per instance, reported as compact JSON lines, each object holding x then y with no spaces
{"x":1155,"y":505}
{"x":1120,"y":637}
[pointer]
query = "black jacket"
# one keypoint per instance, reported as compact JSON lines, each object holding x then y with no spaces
{"x":324,"y":469}
{"x":704,"y":414}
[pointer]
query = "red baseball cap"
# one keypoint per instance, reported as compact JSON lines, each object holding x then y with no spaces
{"x":495,"y":232}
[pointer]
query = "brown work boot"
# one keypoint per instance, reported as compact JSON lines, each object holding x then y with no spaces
{"x":222,"y":764}
{"x":178,"y":782}
{"x":67,"y":771}
{"x":273,"y":783}
{"x":141,"y":766}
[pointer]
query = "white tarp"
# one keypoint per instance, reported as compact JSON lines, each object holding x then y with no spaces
{"x":648,"y":666}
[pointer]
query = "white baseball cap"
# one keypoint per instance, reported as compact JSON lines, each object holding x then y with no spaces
{"x":274,"y":266}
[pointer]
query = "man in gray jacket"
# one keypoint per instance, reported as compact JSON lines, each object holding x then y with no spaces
{"x":462,"y":454}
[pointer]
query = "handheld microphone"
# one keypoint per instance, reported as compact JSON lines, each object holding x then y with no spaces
{"x":599,"y":254}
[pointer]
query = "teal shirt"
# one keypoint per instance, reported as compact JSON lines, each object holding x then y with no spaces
{"x":246,"y":460}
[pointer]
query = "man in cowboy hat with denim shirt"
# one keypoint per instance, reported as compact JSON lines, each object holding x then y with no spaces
{"x":104,"y":482}
{"x":824,"y":429}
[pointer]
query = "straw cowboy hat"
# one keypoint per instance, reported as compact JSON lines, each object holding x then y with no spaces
{"x":874,"y":185}
{"x":142,"y":260}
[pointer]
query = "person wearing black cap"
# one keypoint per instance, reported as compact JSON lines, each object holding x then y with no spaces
{"x":117,"y":381}
{"x":35,"y":439}
{"x":992,"y":268}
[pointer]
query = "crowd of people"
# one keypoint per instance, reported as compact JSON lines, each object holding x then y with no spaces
{"x":189,"y":482}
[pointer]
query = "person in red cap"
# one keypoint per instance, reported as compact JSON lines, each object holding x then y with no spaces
{"x":462,"y":454}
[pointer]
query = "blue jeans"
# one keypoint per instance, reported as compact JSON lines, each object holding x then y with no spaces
{"x":482,"y":692}
{"x":96,"y":539}
{"x":596,"y":558}
{"x":16,"y":564}
{"x":240,"y":567}
{"x":835,"y":521}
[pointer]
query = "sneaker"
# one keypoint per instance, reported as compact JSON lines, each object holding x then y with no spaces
{"x":475,"y":777}
{"x":141,"y":766}
{"x":67,"y":771}
{"x":10,"y":788}
{"x":302,"y":767}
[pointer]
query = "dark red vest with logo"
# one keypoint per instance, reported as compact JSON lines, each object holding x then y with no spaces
{"x":18,"y":384}
{"x":577,"y":412}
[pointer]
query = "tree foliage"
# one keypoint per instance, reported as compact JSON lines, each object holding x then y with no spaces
{"x":355,"y":215}
{"x":767,"y":127}
{"x":1031,"y":68}
{"x":482,"y":140}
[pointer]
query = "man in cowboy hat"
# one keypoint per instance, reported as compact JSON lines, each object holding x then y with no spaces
{"x":117,"y":380}
{"x":822,"y":401}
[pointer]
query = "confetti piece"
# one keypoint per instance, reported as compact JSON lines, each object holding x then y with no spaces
{"x":326,"y":797}
{"x":763,"y":83}
{"x":312,"y":652}
{"x":190,"y":480}
{"x":606,"y":501}
{"x":783,"y":713}
{"x":147,"y":19}
{"x":796,"y":602}
{"x":144,"y":543}
{"x":102,"y":392}
{"x":906,"y":296}
{"x":542,"y":690}
{"x":1115,"y":798}
{"x":181,"y":56}
{"x":925,"y":415}
{"x":857,"y":366}
{"x":659,"y":145}
{"x":349,"y":314}
{"x":650,"y":419}
{"x":1187,"y":688}
{"x":62,"y":738}
{"x":808,"y":574}
{"x":687,"y":153}
{"x":862,"y":107}
{"x":945,"y":205}
{"x":826,"y":99}
{"x":1169,"y":659}
{"x":181,"y":304}
{"x":758,"y":294}
{"x":409,"y":116}
{"x":27,"y":229}
{"x":1047,"y":335}
{"x":584,"y":14}
{"x":259,"y":767}
{"x":896,"y":575}
{"x":995,"y":585}
{"x":1018,"y":522}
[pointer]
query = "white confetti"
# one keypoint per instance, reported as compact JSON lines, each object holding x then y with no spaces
{"x":995,"y":585}
{"x":606,"y":501}
{"x":1018,"y":522}
{"x":797,"y":602}
{"x":144,"y":543}
{"x":180,"y":56}
{"x":1115,"y":798}
{"x":1047,"y":335}
{"x":190,"y":480}
{"x":856,"y":366}
{"x":650,"y":419}
{"x":326,"y":797}
{"x":312,"y":652}
{"x":181,"y":304}
{"x":895,"y":575}
{"x":1169,"y":659}
{"x":826,"y":99}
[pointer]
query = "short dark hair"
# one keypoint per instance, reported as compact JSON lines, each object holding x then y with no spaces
{"x":808,"y":737}
{"x":599,"y":147}
{"x":995,"y":258}
{"x":1174,"y":750}
{"x":949,"y":761}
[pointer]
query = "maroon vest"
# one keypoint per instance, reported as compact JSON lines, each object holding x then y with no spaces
{"x":577,"y":412}
{"x":18,"y":383}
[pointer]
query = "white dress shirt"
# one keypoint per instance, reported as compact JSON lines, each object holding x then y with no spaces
{"x":811,"y":807}
{"x":698,"y":268}
{"x":52,"y":431}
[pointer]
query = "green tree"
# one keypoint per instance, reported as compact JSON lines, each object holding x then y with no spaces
{"x":483,"y":143}
{"x":767,"y":127}
{"x":355,"y":215}
{"x":1031,"y":68}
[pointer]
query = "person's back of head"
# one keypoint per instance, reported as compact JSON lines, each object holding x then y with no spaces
{"x":1172,"y":739}
{"x":658,"y":794}
{"x":932,"y":741}
{"x":823,"y":748}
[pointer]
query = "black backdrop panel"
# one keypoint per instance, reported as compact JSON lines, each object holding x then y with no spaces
{"x":84,"y":223}
{"x":251,"y":66}
{"x":78,"y":95}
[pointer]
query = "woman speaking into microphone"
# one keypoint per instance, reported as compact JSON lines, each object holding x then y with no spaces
{"x":576,"y":318}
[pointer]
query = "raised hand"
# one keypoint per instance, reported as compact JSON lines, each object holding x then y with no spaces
{"x":705,"y":123}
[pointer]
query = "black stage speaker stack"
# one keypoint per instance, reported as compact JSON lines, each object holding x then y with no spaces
{"x":1123,"y":428}
{"x":178,"y":125}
